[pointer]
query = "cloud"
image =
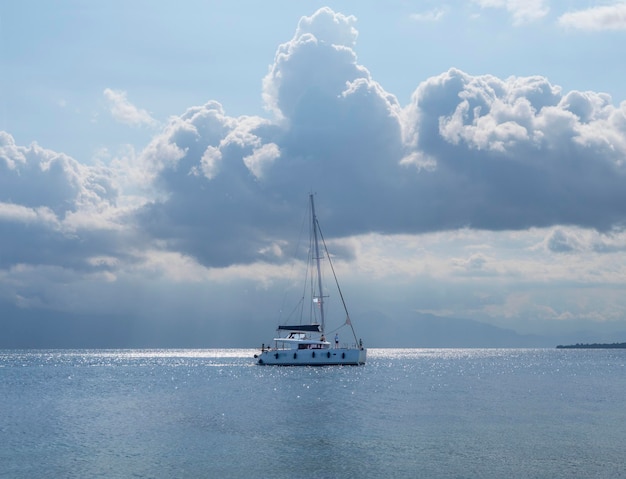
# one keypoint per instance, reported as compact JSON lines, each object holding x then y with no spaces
{"x":523,"y":11}
{"x":261,"y":158}
{"x":21,"y":214}
{"x":467,"y":151}
{"x":605,"y":17}
{"x":53,"y":210}
{"x":560,"y":241}
{"x":475,"y":263}
{"x":517,"y":153}
{"x":33,"y":176}
{"x":214,"y":196}
{"x":233,"y":184}
{"x":320,"y":56}
{"x":125,"y":112}
{"x":429,"y":16}
{"x":577,"y":240}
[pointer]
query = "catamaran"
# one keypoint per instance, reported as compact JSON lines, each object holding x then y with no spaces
{"x":305,"y":344}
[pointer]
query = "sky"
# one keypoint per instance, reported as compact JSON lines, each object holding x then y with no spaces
{"x":467,"y":157}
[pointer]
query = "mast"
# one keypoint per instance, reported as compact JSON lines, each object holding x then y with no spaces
{"x":320,"y":297}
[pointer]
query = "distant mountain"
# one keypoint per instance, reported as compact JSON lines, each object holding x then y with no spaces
{"x":593,"y":346}
{"x":37,"y":328}
{"x":415,"y":330}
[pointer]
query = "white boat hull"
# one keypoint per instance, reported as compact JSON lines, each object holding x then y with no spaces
{"x":307,"y":357}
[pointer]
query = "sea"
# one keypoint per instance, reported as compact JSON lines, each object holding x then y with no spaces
{"x":407,"y":413}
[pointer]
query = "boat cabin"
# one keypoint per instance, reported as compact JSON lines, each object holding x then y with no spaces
{"x":294,"y":335}
{"x":300,"y":337}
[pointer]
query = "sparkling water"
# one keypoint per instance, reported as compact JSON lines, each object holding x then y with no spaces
{"x":431,"y":413}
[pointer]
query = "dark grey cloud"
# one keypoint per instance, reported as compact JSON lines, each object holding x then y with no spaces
{"x":575,"y":240}
{"x":561,"y":242}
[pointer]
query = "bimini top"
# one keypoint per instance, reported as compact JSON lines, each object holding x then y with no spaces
{"x":309,"y":328}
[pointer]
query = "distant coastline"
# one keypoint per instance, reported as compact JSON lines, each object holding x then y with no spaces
{"x":593,"y":346}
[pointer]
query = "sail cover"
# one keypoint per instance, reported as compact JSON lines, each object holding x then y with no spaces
{"x":309,"y":328}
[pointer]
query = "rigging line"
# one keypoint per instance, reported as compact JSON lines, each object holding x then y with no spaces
{"x":332,"y":268}
{"x":294,"y":310}
{"x":337,"y":329}
{"x":297,"y":247}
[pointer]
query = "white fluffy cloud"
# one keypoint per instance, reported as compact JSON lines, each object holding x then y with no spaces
{"x":604,"y":17}
{"x":125,"y":112}
{"x":516,"y":153}
{"x":33,"y":176}
{"x":54,"y":210}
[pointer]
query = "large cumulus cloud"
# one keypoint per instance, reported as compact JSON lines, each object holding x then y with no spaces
{"x":516,"y":153}
{"x":468,"y":151}
{"x":53,"y":209}
{"x":233,"y":185}
{"x":207,"y":166}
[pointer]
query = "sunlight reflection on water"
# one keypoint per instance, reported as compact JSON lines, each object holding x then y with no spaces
{"x":433,"y":413}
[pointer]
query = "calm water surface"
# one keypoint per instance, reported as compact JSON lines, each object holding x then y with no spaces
{"x":428,"y":413}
